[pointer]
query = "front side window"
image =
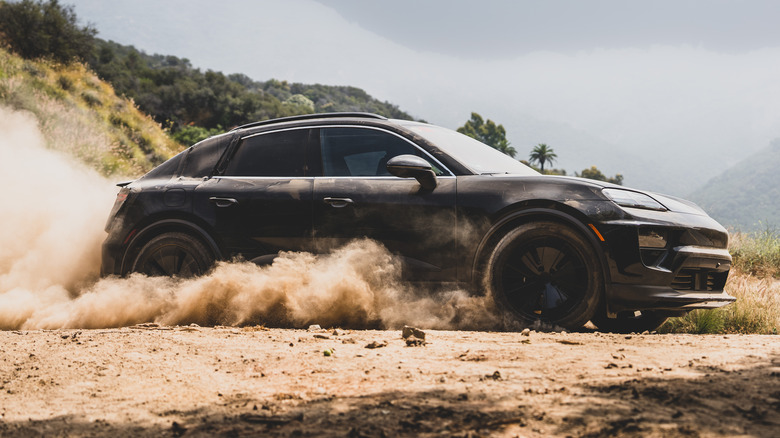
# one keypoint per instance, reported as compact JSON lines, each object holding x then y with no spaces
{"x":363,"y":151}
{"x":276,"y":154}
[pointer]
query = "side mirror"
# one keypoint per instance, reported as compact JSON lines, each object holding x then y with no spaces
{"x":412,"y":166}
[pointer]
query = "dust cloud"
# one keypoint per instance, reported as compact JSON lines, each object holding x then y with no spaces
{"x":51,"y":226}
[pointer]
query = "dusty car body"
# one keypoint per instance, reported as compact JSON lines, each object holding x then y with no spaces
{"x":557,"y":249}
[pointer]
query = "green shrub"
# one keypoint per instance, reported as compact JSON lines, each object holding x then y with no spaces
{"x":65,"y":83}
{"x":189,"y":135}
{"x":91,"y":98}
{"x":38,"y":29}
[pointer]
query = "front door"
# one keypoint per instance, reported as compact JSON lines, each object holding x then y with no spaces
{"x":357,"y":198}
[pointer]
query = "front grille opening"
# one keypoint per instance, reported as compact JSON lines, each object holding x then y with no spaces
{"x":700,"y":280}
{"x":652,"y":257}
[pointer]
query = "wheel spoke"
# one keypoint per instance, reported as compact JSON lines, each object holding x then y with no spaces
{"x":549,"y":258}
{"x":152,"y":267}
{"x":532,"y":262}
{"x":526,"y":298}
{"x":181,"y":257}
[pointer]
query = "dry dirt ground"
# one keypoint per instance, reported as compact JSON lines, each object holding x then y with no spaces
{"x":193,"y":381}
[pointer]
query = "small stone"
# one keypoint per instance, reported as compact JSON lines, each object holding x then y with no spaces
{"x":328,"y":352}
{"x":314,"y":328}
{"x":375,"y":344}
{"x":408,"y":332}
{"x":177,"y":429}
{"x":526,"y":332}
{"x":495,"y":376}
{"x":413,"y":341}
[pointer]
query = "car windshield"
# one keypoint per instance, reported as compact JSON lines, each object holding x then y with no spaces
{"x":477,"y":156}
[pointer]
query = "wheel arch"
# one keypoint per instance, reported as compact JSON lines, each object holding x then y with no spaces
{"x":165,"y":225}
{"x":520,"y":214}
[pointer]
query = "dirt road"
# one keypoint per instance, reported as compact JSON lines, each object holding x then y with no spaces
{"x":193,"y":381}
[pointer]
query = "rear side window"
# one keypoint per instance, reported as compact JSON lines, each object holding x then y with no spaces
{"x":274,"y":154}
{"x":362,"y":151}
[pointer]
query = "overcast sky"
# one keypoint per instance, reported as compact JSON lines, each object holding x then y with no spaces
{"x":501,"y":28}
{"x":666,"y":92}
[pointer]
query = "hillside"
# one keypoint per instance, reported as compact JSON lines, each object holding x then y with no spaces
{"x":179,"y":95}
{"x":82,"y":116}
{"x":101,"y":117}
{"x":746,"y":196}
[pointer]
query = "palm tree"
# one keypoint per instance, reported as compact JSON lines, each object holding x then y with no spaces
{"x":542,"y":154}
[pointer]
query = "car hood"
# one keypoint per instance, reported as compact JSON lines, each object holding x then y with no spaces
{"x":672,"y":203}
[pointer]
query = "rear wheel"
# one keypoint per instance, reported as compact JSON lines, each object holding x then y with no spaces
{"x":629,"y":322}
{"x":545,"y":271}
{"x":173,"y":255}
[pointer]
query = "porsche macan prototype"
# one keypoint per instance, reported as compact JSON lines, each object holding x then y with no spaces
{"x":561,"y":250}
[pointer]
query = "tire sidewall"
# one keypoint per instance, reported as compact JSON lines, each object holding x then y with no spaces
{"x":203,"y":258}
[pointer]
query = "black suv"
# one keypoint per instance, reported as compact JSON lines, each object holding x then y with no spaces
{"x":558,"y":249}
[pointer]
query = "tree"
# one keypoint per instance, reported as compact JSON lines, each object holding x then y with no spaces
{"x":489,"y":133}
{"x":541,"y":154}
{"x":38,"y":29}
{"x":594,"y":173}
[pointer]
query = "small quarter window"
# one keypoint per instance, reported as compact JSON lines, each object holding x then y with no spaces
{"x":202,"y":157}
{"x":274,"y":154}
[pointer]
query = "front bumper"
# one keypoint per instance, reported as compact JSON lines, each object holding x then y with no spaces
{"x":693,"y":279}
{"x":686,"y":269}
{"x":631,"y":297}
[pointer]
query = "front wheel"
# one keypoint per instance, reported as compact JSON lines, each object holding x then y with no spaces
{"x":173,"y":255}
{"x":545,"y":271}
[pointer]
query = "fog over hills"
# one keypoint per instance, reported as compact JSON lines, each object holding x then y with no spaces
{"x":746,"y":196}
{"x":669,"y":93}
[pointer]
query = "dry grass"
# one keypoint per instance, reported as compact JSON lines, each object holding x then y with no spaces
{"x":80,"y":115}
{"x":757,"y":309}
{"x":757,"y":253}
{"x":753,"y":280}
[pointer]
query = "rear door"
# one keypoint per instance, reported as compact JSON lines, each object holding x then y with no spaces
{"x":356,"y":197}
{"x":262,"y":203}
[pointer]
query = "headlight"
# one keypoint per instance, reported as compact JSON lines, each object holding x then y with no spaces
{"x":628,"y":198}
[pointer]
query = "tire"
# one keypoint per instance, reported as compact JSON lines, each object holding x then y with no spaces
{"x":174,"y":255}
{"x":629,"y":322}
{"x":547,"y":272}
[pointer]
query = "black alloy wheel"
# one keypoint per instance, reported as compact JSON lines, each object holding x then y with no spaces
{"x":548,"y":272}
{"x":173,"y":255}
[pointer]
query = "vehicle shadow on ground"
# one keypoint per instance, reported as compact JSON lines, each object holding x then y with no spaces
{"x":738,"y":400}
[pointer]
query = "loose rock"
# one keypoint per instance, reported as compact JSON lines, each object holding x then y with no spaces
{"x":408,"y":332}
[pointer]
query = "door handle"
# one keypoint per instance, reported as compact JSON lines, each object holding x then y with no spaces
{"x":223,"y":202}
{"x":338,"y":202}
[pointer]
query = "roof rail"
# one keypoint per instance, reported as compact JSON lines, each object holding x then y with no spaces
{"x":312,"y":116}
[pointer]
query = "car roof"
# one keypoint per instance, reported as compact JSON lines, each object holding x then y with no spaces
{"x":349,"y":115}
